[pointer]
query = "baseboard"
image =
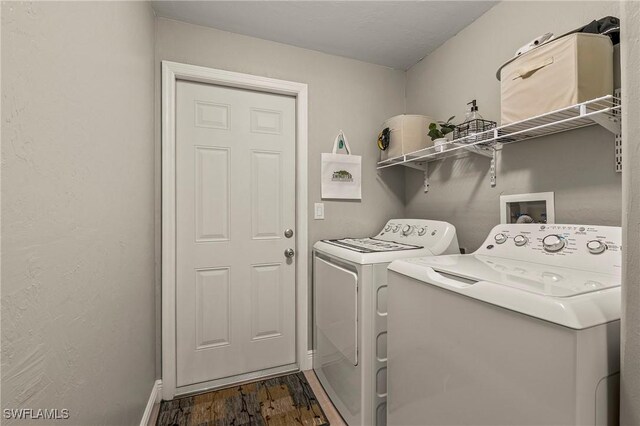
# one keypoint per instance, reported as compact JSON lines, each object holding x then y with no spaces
{"x":307,"y":363}
{"x":154,"y":398}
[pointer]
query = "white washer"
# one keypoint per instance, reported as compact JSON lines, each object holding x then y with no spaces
{"x":350,"y":311}
{"x":525,"y":330}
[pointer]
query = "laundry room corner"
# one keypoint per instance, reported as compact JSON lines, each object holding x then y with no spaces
{"x":464,"y":69}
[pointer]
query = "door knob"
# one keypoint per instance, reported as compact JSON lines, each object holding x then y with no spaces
{"x":289,"y":253}
{"x":288,"y":233}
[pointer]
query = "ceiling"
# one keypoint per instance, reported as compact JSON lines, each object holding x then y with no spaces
{"x":396,"y":34}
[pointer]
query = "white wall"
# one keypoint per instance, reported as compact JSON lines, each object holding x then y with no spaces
{"x":630,"y":55}
{"x":77,"y":209}
{"x":578,"y":166}
{"x":343,"y":94}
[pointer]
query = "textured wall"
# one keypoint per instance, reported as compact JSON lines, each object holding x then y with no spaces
{"x":343,"y":94}
{"x":630,"y":55}
{"x":578,"y":166}
{"x":77,"y":209}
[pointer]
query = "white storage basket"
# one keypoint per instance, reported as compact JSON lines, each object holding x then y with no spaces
{"x":563,"y":72}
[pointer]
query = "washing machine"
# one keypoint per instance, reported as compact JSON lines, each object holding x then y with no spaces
{"x":525,"y":331}
{"x":350,"y":311}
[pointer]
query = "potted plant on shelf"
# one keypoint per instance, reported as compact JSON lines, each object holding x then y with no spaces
{"x":439,"y":135}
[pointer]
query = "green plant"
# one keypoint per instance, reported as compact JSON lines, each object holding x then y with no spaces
{"x":446,"y":127}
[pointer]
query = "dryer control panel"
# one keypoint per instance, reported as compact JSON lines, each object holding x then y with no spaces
{"x":431,"y":234}
{"x":586,"y":247}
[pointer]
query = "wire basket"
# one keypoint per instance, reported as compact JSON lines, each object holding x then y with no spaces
{"x":469,"y":131}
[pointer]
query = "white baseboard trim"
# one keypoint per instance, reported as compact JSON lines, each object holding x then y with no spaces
{"x":154,"y":398}
{"x":307,"y":363}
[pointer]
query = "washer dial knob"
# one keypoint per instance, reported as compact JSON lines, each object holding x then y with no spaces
{"x":387,"y":228}
{"x":596,"y":246}
{"x":500,"y":238}
{"x":520,"y":240}
{"x":553,"y":243}
{"x":422,"y":231}
{"x":396,"y":228}
{"x":407,"y":230}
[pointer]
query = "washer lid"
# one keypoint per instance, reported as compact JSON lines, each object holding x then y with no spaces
{"x":568,"y":297}
{"x":526,"y":276}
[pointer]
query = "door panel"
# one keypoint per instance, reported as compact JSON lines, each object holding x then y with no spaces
{"x":212,"y":115}
{"x":265,"y":121}
{"x":266,"y":173}
{"x":212,"y":194}
{"x":212,"y":308}
{"x":235,"y":290}
{"x":266,"y":301}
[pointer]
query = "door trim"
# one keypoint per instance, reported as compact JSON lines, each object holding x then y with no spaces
{"x":171,"y":72}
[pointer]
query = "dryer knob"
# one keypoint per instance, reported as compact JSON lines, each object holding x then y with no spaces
{"x":396,"y":228}
{"x":500,"y":238}
{"x":553,"y":243}
{"x":407,"y":230}
{"x":422,"y":231}
{"x":387,"y":228}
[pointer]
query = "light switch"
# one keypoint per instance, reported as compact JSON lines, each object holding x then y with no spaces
{"x":318,"y":211}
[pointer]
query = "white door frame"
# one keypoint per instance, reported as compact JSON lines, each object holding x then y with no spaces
{"x":171,"y":72}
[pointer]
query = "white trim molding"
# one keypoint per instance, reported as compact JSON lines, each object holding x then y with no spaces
{"x":154,"y":398}
{"x":309,"y":361}
{"x":172,"y":72}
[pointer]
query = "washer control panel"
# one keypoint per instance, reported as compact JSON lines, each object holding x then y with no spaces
{"x":593,"y":248}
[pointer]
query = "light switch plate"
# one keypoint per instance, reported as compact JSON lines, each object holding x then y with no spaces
{"x":318,"y":209}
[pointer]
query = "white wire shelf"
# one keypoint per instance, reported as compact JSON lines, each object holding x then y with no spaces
{"x":604,"y":111}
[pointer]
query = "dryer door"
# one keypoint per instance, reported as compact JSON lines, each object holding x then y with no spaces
{"x":337,"y":307}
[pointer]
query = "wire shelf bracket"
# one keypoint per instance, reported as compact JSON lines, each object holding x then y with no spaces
{"x":618,"y":143}
{"x":426,"y":177}
{"x":492,"y":170}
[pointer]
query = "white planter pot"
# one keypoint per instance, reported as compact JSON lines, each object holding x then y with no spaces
{"x":439,"y":144}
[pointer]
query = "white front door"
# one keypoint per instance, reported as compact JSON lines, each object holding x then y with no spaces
{"x":235,"y":180}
